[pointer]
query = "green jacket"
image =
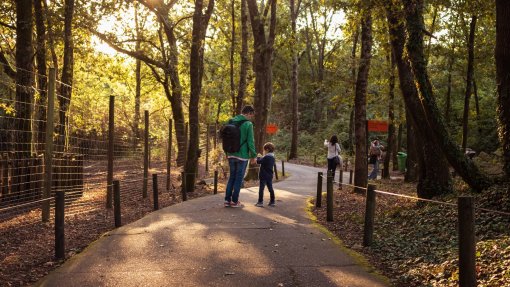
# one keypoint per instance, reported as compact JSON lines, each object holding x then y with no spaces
{"x":247,"y":150}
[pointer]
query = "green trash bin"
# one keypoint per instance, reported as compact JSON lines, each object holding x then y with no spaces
{"x":401,"y":157}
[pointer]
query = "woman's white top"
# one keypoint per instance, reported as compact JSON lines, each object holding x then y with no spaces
{"x":333,"y":150}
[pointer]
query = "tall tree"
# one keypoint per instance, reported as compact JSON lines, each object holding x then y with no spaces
{"x":469,"y":80}
{"x":164,"y":68}
{"x":433,"y":176}
{"x":40,"y":20}
{"x":24,"y":79}
{"x":391,"y":114}
{"x":196,"y":71}
{"x":232,"y":53}
{"x":414,"y":46}
{"x":294,"y":92}
{"x":138,"y":80}
{"x":360,"y":100}
{"x":66,"y":79}
{"x":502,"y":55}
{"x":262,"y":64}
{"x":243,"y":69}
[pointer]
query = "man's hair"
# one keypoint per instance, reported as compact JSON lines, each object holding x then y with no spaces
{"x":269,"y":146}
{"x":248,"y":110}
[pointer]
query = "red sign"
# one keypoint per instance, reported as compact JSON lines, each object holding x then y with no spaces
{"x":271,"y":129}
{"x":377,"y":126}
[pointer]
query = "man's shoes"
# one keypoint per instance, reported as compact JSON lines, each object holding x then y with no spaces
{"x":259,"y":204}
{"x":271,"y":204}
{"x":226,"y":203}
{"x":236,"y":204}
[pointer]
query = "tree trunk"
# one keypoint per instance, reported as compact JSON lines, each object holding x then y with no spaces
{"x":469,"y":80}
{"x":138,"y":79}
{"x":196,"y":68}
{"x":24,"y":80}
{"x":391,"y":115}
{"x":40,"y":19}
{"x":433,"y":173}
{"x":294,"y":94}
{"x":464,"y":166}
{"x":360,"y":101}
{"x":413,"y":159}
{"x":262,"y":60}
{"x":243,"y":73}
{"x":67,"y":76}
{"x":503,"y":77}
{"x":232,"y":52}
{"x":355,"y":39}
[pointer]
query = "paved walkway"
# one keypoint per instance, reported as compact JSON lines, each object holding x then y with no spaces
{"x":202,"y":243}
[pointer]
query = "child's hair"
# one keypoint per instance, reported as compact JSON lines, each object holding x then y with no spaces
{"x":269,"y":146}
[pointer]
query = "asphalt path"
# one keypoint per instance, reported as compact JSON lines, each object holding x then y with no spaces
{"x":201,"y":243}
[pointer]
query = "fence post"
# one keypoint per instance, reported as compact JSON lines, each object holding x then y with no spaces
{"x":275,"y":171}
{"x":169,"y":155}
{"x":329,"y":197}
{"x":59,"y":224}
{"x":155,"y":193}
{"x":111,"y":135}
{"x":340,"y":178}
{"x":350,"y":176}
{"x":467,"y":243}
{"x":283,"y":168}
{"x":146,"y":155}
{"x":216,"y":182}
{"x":183,"y":187}
{"x":207,"y":148}
{"x":315,"y":160}
{"x":48,"y":151}
{"x":369,"y":216}
{"x":318,"y":201}
{"x":116,"y":203}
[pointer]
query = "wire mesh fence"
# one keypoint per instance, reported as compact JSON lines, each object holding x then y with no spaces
{"x":59,"y":147}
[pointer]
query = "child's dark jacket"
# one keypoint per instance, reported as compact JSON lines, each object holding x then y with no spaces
{"x":266,"y":167}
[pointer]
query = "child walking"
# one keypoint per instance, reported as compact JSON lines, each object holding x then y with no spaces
{"x":266,"y":174}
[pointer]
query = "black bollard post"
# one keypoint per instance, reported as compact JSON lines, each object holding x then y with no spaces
{"x":340,"y":179}
{"x":275,"y":171}
{"x":116,"y":203}
{"x":329,"y":197}
{"x":155,"y":193}
{"x":467,"y":242}
{"x":318,"y":200}
{"x":283,"y":168}
{"x":215,"y":182}
{"x":350,"y":176}
{"x":369,"y":216}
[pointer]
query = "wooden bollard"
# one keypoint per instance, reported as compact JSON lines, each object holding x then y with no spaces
{"x":155,"y":193}
{"x":369,"y":216}
{"x":350,"y":176}
{"x":467,"y":242}
{"x":116,"y":203}
{"x":59,"y":224}
{"x":275,"y":171}
{"x":183,"y":187}
{"x":315,"y":160}
{"x":318,"y":200}
{"x":215,"y":182}
{"x":329,"y":197}
{"x":340,"y":179}
{"x":283,"y":168}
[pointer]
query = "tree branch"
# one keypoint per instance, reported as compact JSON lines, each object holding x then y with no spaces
{"x":9,"y":71}
{"x":135,"y":54}
{"x":7,"y":25}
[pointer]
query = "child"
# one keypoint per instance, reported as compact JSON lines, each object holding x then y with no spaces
{"x":266,"y":174}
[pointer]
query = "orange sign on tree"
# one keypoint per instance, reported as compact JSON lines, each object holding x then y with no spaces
{"x":271,"y":129}
{"x":377,"y":126}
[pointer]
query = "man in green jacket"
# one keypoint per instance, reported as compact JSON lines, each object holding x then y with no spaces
{"x":238,"y":161}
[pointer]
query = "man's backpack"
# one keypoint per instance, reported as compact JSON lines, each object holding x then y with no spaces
{"x":375,"y":150}
{"x":230,"y":135}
